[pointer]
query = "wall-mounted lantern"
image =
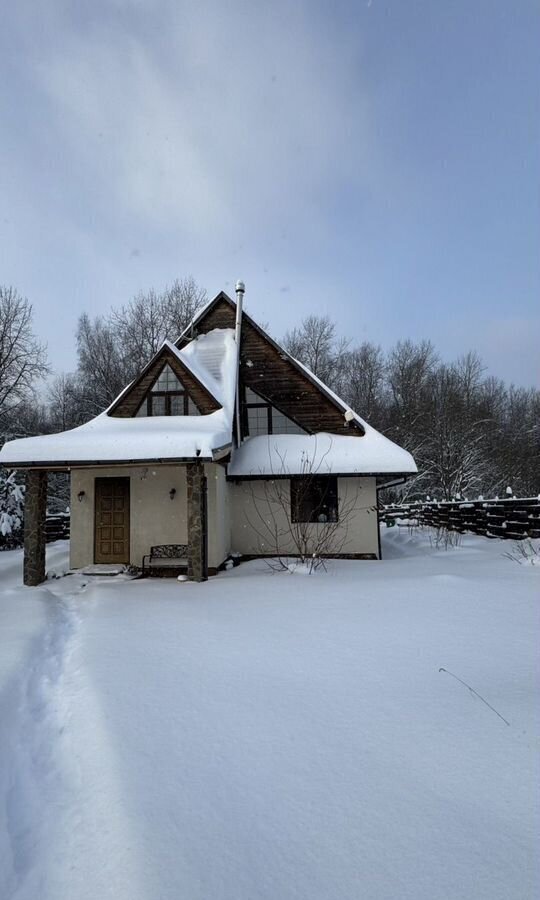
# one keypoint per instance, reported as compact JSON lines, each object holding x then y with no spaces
{"x":81,"y":495}
{"x":172,"y":493}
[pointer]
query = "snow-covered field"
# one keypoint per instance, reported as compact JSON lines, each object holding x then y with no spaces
{"x":274,"y":736}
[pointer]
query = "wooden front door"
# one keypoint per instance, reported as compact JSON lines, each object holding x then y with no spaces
{"x":112,"y":520}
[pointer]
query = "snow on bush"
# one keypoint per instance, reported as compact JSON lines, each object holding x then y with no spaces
{"x":11,"y":511}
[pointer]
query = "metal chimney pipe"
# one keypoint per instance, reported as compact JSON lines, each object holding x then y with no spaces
{"x":240,"y":289}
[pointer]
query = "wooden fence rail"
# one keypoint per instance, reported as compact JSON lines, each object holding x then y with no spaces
{"x":57,"y":527}
{"x":512,"y":518}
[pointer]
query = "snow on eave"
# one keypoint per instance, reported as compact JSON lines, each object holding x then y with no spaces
{"x":282,"y":455}
{"x":117,"y":440}
{"x":109,"y":439}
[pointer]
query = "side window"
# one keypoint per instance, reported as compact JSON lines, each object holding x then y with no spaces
{"x":260,"y":417}
{"x":167,"y":397}
{"x":314,"y":498}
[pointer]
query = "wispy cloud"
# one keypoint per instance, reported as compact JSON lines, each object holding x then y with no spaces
{"x":235,"y":111}
{"x":323,"y":153}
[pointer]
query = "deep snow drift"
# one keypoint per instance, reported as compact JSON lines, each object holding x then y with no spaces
{"x":273,"y":736}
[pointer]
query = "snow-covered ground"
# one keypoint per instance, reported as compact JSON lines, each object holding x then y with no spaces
{"x":273,"y":736}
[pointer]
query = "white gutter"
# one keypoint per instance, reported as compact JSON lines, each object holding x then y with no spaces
{"x":240,"y":289}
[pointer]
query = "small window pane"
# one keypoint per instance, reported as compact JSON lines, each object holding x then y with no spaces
{"x":143,"y":408}
{"x":192,"y":409}
{"x":177,"y":404}
{"x":314,"y":498}
{"x":167,"y":381}
{"x":257,"y":420}
{"x":158,"y":406}
{"x":283,"y":425}
{"x":252,"y":397}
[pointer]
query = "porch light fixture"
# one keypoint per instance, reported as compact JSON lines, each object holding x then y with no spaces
{"x":172,"y":493}
{"x":81,"y":495}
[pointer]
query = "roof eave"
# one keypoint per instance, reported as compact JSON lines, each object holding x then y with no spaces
{"x":67,"y":464}
{"x":274,"y":476}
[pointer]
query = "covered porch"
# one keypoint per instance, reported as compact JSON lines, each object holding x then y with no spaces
{"x":119,"y":512}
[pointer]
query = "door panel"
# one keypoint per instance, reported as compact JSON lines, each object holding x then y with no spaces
{"x":112,"y":520}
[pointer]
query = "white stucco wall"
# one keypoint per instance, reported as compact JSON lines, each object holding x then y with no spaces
{"x":252,"y":505}
{"x":154,"y":517}
{"x":234,"y":512}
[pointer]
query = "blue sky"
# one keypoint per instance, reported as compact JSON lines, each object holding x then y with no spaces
{"x":376,"y":161}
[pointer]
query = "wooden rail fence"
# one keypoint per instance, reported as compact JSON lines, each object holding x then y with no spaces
{"x":57,"y":527}
{"x":511,"y":518}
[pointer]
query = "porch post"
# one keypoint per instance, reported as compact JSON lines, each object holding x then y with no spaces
{"x":35,"y":507}
{"x":197,"y":522}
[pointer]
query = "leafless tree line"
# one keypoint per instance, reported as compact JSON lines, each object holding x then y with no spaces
{"x":469,"y":433}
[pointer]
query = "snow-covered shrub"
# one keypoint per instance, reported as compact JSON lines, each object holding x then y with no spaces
{"x":11,"y":511}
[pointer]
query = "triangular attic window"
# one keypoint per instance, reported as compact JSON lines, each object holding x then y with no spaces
{"x":167,"y":397}
{"x":260,"y":417}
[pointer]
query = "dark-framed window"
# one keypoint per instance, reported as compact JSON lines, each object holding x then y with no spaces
{"x":314,"y":498}
{"x":167,"y":397}
{"x":260,"y":417}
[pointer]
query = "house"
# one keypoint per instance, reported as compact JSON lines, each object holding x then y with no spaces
{"x":222,"y":451}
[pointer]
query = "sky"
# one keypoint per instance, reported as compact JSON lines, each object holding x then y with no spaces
{"x":378,"y":162}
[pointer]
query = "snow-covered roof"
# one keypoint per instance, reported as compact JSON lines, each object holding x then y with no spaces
{"x":320,"y":454}
{"x":211,"y":358}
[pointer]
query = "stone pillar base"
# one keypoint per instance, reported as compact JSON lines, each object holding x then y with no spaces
{"x":35,"y":509}
{"x":197,"y":522}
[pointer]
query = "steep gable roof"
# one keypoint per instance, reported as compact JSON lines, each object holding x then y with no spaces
{"x":267,"y":368}
{"x":129,"y":401}
{"x":125,"y":438}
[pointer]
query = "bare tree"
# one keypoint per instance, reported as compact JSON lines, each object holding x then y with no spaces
{"x":315,"y":344}
{"x":101,"y":373}
{"x":362,"y":380}
{"x":142,"y":325}
{"x":22,"y":356}
{"x":65,"y":403}
{"x":282,"y":530}
{"x":408,"y":371}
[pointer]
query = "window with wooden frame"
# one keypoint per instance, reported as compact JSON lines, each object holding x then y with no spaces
{"x":314,"y":498}
{"x":167,"y":397}
{"x":260,"y":417}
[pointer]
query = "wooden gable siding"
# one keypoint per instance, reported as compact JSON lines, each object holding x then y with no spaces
{"x":127,"y":405}
{"x":273,"y":374}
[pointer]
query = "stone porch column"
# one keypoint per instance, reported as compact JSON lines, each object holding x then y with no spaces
{"x":197,"y":522}
{"x":35,"y":507}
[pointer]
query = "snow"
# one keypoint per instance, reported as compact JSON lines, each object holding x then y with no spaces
{"x":323,"y":454}
{"x":212,"y":359}
{"x":103,"y":569}
{"x":266,"y":736}
{"x":110,"y":439}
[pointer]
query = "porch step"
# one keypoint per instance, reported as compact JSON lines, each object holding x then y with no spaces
{"x":103,"y":569}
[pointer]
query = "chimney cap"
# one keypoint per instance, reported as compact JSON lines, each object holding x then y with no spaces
{"x":240,"y":287}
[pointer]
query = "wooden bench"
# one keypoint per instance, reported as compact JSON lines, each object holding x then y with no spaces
{"x":166,"y":560}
